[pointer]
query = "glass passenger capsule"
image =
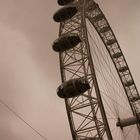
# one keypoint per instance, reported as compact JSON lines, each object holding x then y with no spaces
{"x":64,"y":2}
{"x":98,"y":17}
{"x":65,"y":13}
{"x":135,"y":98}
{"x":105,"y":29}
{"x":117,"y":55}
{"x":123,"y":69}
{"x":129,"y":83}
{"x":66,"y":42}
{"x":111,"y":42}
{"x":73,"y":88}
{"x":91,"y":138}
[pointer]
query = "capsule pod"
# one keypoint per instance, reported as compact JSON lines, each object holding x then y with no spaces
{"x":105,"y":29}
{"x":135,"y":98}
{"x":64,"y":2}
{"x":66,"y":42}
{"x":127,"y":121}
{"x":123,"y":69}
{"x":72,"y":88}
{"x":92,"y":5}
{"x":111,"y":42}
{"x":65,"y":13}
{"x":91,"y":138}
{"x":98,"y":17}
{"x":129,"y":83}
{"x":117,"y":55}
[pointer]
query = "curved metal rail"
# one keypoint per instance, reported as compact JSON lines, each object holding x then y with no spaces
{"x":99,"y":21}
{"x":86,"y":114}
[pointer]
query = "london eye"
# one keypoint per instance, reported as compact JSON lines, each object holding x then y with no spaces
{"x":100,"y":94}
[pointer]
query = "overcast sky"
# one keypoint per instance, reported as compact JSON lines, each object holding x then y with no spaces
{"x":29,"y":69}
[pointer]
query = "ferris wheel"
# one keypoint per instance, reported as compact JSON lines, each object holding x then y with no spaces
{"x":100,"y":94}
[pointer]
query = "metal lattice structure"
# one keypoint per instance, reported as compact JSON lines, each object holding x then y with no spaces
{"x":87,"y":113}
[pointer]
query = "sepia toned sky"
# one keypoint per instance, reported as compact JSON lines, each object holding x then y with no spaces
{"x":29,"y":69}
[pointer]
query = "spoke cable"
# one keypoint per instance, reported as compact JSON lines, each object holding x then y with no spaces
{"x":102,"y":75}
{"x":110,"y":71}
{"x":103,"y":61}
{"x":19,"y":117}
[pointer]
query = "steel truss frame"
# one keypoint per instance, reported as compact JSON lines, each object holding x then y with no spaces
{"x":86,"y":112}
{"x":106,"y":34}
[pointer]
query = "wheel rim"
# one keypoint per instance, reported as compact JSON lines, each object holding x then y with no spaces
{"x":113,"y":94}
